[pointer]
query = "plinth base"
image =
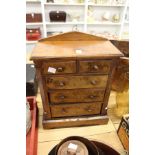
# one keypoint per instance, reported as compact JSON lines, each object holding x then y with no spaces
{"x":76,"y":121}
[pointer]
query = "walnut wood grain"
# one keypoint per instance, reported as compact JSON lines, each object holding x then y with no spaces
{"x":46,"y":108}
{"x":108,"y":88}
{"x":66,"y":48}
{"x":62,"y":67}
{"x":73,"y":36}
{"x":123,"y":46}
{"x":95,"y":66}
{"x":120,"y":81}
{"x":73,"y":82}
{"x":81,"y":85}
{"x":77,"y":109}
{"x":75,"y":121}
{"x":76,"y":95}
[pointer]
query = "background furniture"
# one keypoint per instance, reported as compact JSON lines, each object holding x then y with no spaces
{"x":82,"y":15}
{"x":121,"y":79}
{"x":31,"y":83}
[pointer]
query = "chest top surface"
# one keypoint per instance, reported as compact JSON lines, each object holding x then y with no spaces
{"x":74,"y":45}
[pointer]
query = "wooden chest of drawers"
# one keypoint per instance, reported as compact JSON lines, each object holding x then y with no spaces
{"x":74,"y":71}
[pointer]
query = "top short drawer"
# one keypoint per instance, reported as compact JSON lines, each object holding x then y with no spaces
{"x":95,"y":66}
{"x":58,"y":67}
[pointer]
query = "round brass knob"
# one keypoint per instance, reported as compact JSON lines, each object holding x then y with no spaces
{"x":61,"y":84}
{"x":64,"y":110}
{"x":60,"y":69}
{"x":62,"y":97}
{"x":89,"y":110}
{"x":95,"y":67}
{"x":93,"y":82}
{"x":92,"y":96}
{"x":45,"y":112}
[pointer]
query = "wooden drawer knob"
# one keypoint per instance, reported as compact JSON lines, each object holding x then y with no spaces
{"x":60,"y":69}
{"x":61,"y":96}
{"x":95,"y":67}
{"x":64,"y":110}
{"x":89,"y":109}
{"x":92,"y":96}
{"x":93,"y":82}
{"x":61,"y":84}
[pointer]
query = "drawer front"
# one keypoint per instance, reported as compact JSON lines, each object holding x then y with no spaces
{"x":95,"y":66}
{"x":72,"y":82}
{"x":59,"y":67}
{"x":79,"y":109}
{"x":76,"y":95}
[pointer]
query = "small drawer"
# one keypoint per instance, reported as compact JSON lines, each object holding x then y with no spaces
{"x":77,"y":109}
{"x":95,"y":66}
{"x":62,"y":67}
{"x":76,"y":95}
{"x":72,"y":82}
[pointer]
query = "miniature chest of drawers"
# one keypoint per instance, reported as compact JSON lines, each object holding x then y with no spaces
{"x":74,"y":71}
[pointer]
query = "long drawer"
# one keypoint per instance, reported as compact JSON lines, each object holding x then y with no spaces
{"x":78,"y":109}
{"x":95,"y":66}
{"x":72,"y":82}
{"x":59,"y":67}
{"x":76,"y":95}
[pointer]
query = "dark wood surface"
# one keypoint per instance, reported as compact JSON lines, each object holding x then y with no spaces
{"x":67,"y":44}
{"x":123,"y":46}
{"x":120,"y":82}
{"x":77,"y":109}
{"x":62,"y":67}
{"x":42,"y":86}
{"x":81,"y":82}
{"x":108,"y":87}
{"x":73,"y":82}
{"x":76,"y":95}
{"x":72,"y":122}
{"x":95,"y":66}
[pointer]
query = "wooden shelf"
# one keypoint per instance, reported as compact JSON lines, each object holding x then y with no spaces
{"x":104,"y":5}
{"x":104,"y":23}
{"x":126,"y":22}
{"x":31,"y":42}
{"x":65,"y":4}
{"x":85,"y":25}
{"x":27,"y":1}
{"x":27,"y":24}
{"x":64,"y":23}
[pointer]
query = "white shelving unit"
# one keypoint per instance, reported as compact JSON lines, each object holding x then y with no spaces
{"x":31,"y":42}
{"x":102,"y":5}
{"x":95,"y":26}
{"x":63,"y":4}
{"x":64,"y":23}
{"x":104,"y":23}
{"x":29,"y":24}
